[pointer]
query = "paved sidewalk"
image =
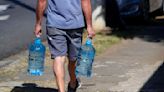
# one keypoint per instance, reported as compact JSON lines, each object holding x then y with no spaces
{"x":126,"y":67}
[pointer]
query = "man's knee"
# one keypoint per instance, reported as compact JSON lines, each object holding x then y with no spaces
{"x":60,"y":59}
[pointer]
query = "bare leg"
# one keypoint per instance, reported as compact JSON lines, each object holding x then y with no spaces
{"x":71,"y":69}
{"x":58,"y":67}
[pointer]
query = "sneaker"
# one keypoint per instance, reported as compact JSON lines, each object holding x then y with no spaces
{"x":70,"y":89}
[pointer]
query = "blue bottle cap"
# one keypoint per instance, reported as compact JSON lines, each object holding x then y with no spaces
{"x":88,"y":41}
{"x":37,"y":40}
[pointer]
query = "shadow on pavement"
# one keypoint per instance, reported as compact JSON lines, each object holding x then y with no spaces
{"x":156,"y":82}
{"x":30,"y":87}
{"x":151,"y":32}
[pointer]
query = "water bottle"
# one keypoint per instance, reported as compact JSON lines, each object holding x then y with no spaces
{"x":85,"y":59}
{"x":36,"y":58}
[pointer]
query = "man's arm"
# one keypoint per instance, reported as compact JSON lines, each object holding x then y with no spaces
{"x":86,"y":7}
{"x":41,"y":6}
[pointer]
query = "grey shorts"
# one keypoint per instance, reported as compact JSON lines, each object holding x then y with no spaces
{"x":64,"y":42}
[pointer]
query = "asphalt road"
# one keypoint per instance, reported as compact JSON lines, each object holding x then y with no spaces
{"x":16,"y":25}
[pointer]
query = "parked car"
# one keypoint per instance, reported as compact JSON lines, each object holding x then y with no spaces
{"x":142,"y":8}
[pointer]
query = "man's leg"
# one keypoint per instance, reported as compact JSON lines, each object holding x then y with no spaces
{"x":58,"y":47}
{"x":71,"y":69}
{"x":58,"y":67}
{"x":75,"y":41}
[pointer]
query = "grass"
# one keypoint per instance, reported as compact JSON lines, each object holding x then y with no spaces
{"x":102,"y":42}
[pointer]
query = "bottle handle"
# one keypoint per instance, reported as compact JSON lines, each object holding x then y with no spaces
{"x":89,"y":37}
{"x":37,"y":36}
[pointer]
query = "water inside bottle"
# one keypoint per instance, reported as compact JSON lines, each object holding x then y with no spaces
{"x":36,"y":58}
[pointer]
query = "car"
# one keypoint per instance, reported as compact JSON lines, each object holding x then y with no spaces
{"x":144,"y":8}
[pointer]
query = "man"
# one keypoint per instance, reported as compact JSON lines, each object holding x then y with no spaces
{"x":65,"y":24}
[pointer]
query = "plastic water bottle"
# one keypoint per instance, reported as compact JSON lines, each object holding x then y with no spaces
{"x":85,"y":59}
{"x":36,"y":58}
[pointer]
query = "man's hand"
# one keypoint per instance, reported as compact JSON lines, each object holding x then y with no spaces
{"x":86,"y":7}
{"x":37,"y":30}
{"x":41,"y":6}
{"x":91,"y":32}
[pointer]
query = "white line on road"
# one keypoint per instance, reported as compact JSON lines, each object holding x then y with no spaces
{"x":4,"y":7}
{"x":4,"y":17}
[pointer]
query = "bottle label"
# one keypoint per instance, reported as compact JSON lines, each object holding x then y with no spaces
{"x":36,"y":60}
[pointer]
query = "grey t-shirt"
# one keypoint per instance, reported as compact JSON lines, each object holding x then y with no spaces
{"x":65,"y":14}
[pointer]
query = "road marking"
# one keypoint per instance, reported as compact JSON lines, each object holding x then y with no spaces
{"x":4,"y":17}
{"x":4,"y":7}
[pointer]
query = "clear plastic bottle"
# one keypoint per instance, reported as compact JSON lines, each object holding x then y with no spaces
{"x":85,"y":59}
{"x":36,"y":58}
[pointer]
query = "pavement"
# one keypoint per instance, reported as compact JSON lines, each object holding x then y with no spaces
{"x":134,"y":65}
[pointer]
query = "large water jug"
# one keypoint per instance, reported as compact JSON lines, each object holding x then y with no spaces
{"x":36,"y":58}
{"x":85,"y":59}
